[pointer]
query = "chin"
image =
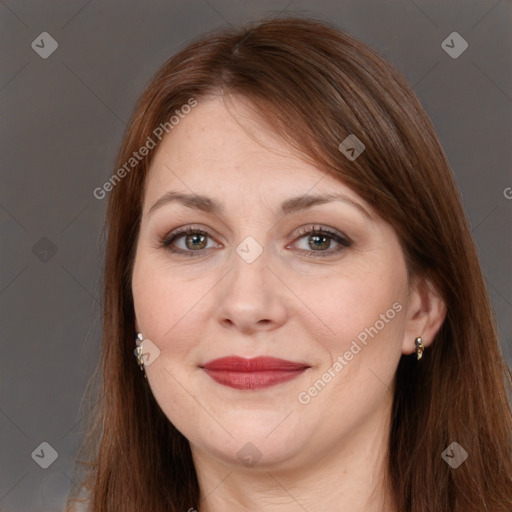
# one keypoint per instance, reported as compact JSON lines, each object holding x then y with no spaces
{"x":253,"y":447}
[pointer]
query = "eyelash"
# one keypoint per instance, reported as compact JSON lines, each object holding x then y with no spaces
{"x":342,"y":240}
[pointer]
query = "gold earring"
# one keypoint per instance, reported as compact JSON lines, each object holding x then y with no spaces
{"x":138,"y":352}
{"x":419,"y":347}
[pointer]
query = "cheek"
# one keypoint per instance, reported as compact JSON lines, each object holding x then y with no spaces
{"x":168,"y":306}
{"x":362,"y":322}
{"x":360,"y":304}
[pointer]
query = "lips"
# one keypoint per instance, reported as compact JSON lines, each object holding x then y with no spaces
{"x":255,"y":373}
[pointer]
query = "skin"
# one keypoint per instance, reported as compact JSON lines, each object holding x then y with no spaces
{"x":327,"y":454}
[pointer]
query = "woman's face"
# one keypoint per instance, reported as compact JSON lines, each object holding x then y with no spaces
{"x":251,"y":280}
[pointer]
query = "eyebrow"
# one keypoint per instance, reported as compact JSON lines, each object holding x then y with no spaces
{"x":209,"y":205}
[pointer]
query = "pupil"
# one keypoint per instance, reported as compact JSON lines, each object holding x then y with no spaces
{"x":195,"y":238}
{"x":317,"y":238}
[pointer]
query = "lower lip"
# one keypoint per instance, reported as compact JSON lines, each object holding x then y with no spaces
{"x":253,"y":380}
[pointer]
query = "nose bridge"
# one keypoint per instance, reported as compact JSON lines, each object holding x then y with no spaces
{"x":249,"y":268}
{"x":250,"y":298}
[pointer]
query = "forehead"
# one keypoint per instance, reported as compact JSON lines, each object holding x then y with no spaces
{"x":221,"y":147}
{"x":228,"y":135}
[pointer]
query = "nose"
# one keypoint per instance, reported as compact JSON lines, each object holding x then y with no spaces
{"x":250,"y":297}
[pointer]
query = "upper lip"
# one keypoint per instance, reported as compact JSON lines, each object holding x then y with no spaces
{"x":256,"y":364}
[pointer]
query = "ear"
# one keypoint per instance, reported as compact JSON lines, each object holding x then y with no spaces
{"x":426,"y":312}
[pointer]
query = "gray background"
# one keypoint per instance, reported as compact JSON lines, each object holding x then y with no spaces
{"x":62,"y":122}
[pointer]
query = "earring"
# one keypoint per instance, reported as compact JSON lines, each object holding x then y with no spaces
{"x":419,"y":347}
{"x":138,"y":353}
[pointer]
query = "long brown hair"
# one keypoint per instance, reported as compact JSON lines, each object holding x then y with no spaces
{"x":315,"y":86}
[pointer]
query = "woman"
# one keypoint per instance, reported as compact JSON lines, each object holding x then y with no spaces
{"x":289,"y":261}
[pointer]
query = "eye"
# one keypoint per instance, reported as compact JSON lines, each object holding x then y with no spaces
{"x":319,"y":239}
{"x":195,"y":240}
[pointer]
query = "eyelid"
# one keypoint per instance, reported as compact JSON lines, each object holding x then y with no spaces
{"x":184,"y":230}
{"x":319,"y":228}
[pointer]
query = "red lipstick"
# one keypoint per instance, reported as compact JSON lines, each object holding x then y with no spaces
{"x":256,"y":373}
